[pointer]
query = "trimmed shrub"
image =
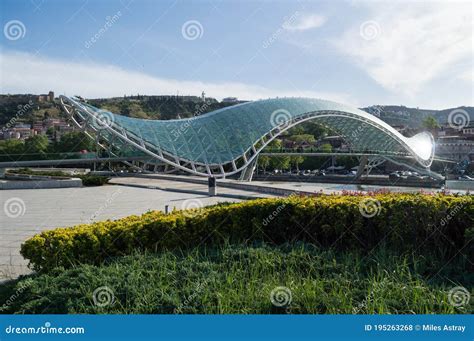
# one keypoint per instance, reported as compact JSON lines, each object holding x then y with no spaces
{"x":432,"y":224}
{"x":87,"y":179}
{"x":93,"y":180}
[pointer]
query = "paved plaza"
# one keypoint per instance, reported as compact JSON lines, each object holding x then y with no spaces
{"x":28,"y":212}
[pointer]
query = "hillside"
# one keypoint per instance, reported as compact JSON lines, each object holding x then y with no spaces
{"x":412,"y":117}
{"x":26,"y":108}
{"x":158,"y":107}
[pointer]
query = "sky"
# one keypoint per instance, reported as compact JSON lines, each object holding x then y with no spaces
{"x":413,"y":53}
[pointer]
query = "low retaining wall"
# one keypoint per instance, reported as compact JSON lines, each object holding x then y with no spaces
{"x":37,"y":182}
{"x":246,"y":186}
{"x":465,"y":185}
{"x":378,"y":181}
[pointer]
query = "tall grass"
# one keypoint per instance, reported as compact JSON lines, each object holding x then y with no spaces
{"x":240,"y":279}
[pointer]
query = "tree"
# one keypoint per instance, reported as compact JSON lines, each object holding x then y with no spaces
{"x":317,"y":130}
{"x":74,"y":142}
{"x":280,"y":162}
{"x":12,"y":146}
{"x":296,"y":161}
{"x":37,"y":144}
{"x":326,"y":148}
{"x":430,"y":123}
{"x":301,"y":138}
{"x":264,"y":162}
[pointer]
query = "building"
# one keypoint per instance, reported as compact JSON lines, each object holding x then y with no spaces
{"x":21,"y":131}
{"x":455,"y":148}
{"x":230,"y":100}
{"x":228,"y":141}
{"x":46,"y":98}
{"x":468,"y":132}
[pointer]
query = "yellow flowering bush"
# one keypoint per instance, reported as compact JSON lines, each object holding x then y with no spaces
{"x":436,"y":224}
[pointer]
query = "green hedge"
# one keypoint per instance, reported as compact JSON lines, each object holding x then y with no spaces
{"x":94,"y":180}
{"x":87,"y":179}
{"x":433,"y":224}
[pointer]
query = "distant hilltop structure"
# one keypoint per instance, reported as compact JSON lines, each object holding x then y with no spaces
{"x":230,"y":100}
{"x":46,"y":98}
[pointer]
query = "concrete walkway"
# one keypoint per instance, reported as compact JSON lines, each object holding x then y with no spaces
{"x":289,"y":187}
{"x":171,"y":184}
{"x":24,"y":213}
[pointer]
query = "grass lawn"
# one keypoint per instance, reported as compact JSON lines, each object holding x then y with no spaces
{"x":296,"y":278}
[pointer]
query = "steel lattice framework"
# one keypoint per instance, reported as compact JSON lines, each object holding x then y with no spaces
{"x":226,"y":141}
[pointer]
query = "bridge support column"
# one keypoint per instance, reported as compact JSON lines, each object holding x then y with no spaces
{"x":212,"y":185}
{"x":247,"y":173}
{"x":363,"y":163}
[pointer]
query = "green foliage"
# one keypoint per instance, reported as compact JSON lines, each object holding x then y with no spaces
{"x":87,"y":179}
{"x":263,"y":162}
{"x":430,"y":123}
{"x":37,"y":144}
{"x":310,"y":128}
{"x":326,"y":148}
{"x":74,"y":142}
{"x":11,"y":147}
{"x":280,"y":162}
{"x":239,"y":280}
{"x":155,"y":107}
{"x":296,"y":161}
{"x":302,"y":138}
{"x":93,"y":180}
{"x":38,"y":147}
{"x":404,"y":222}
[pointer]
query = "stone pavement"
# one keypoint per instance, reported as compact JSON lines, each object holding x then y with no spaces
{"x":24,"y":213}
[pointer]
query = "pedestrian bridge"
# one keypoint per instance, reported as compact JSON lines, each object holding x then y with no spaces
{"x":227,"y":141}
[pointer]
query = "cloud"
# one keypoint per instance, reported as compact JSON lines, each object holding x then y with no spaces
{"x":27,"y":73}
{"x":404,"y":46}
{"x":305,"y":22}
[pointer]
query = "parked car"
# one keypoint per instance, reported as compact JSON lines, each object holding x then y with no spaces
{"x":394,"y":176}
{"x":466,"y":177}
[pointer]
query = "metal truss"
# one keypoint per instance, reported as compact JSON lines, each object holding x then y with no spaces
{"x":86,"y":119}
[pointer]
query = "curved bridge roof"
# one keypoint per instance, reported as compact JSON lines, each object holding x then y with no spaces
{"x":239,"y":132}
